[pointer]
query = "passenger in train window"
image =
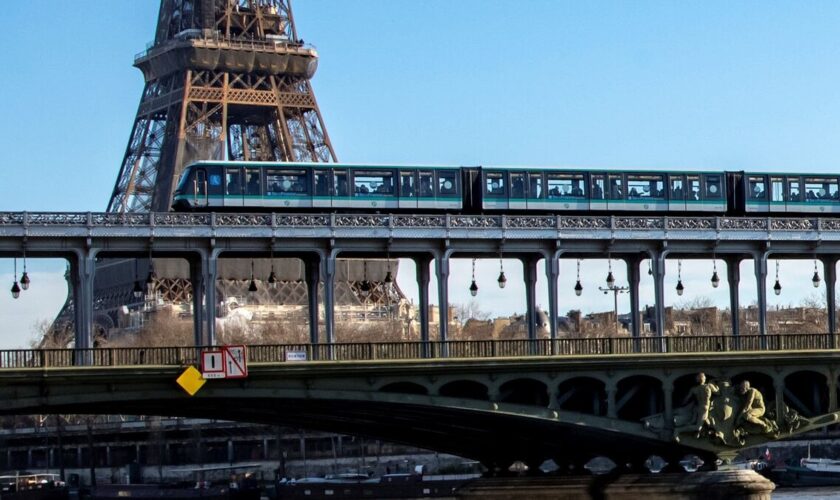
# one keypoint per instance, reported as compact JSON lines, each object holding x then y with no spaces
{"x":554,"y":192}
{"x":253,"y":184}
{"x":597,"y":192}
{"x":576,"y":191}
{"x":425,"y":187}
{"x":407,"y":187}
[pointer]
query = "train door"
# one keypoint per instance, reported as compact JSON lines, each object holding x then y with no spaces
{"x":408,"y":191}
{"x":676,"y":193}
{"x":426,"y":189}
{"x":777,"y":202}
{"x":794,"y":196}
{"x":712,"y":193}
{"x":448,"y":189}
{"x":615,"y":192}
{"x":536,"y":191}
{"x":201,"y":197}
{"x":517,"y":199}
{"x":495,"y":190}
{"x":322,"y":188}
{"x":693,"y":194}
{"x":598,"y":193}
{"x":234,"y":187}
{"x":341,"y":185}
{"x":756,"y":194}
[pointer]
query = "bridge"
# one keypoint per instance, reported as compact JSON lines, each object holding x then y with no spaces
{"x":488,"y":400}
{"x":535,"y":398}
{"x":320,"y":239}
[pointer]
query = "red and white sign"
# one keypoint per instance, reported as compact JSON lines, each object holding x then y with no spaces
{"x":229,"y":361}
{"x":236,"y":361}
{"x":213,"y":364}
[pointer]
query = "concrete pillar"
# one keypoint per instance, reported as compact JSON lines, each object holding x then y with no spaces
{"x":108,"y":454}
{"x":265,"y":449}
{"x":830,"y":271}
{"x":529,"y":274}
{"x":197,"y":282}
{"x":423,"y":277}
{"x":329,"y":303}
{"x":552,"y":272}
{"x":442,"y":275}
{"x":29,"y":463}
{"x":83,"y":270}
{"x":210,"y":269}
{"x":760,"y":262}
{"x":633,"y":279}
{"x":230,"y":453}
{"x":658,"y":268}
{"x":733,"y":277}
{"x":832,"y":391}
{"x":668,"y":400}
{"x":313,"y":278}
{"x":779,"y":387}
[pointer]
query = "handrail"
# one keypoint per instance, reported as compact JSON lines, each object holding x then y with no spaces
{"x":368,"y":351}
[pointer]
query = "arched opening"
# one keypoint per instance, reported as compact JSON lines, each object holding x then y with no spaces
{"x":637,"y":397}
{"x":524,"y":392}
{"x":807,"y":393}
{"x":583,"y":395}
{"x":465,"y":389}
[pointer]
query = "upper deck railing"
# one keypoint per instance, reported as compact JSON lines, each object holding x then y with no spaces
{"x":388,"y":351}
{"x":796,"y":227}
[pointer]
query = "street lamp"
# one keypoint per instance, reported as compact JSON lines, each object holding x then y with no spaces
{"x":610,"y":277}
{"x":15,"y":286}
{"x":252,"y":286}
{"x":578,"y":286}
{"x":715,"y":278}
{"x":473,"y":285}
{"x":680,"y":287}
{"x":816,"y":279}
{"x":777,"y":288}
{"x":615,"y":291}
{"x":502,"y":281}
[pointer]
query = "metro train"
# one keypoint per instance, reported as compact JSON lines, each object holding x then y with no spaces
{"x":273,"y":186}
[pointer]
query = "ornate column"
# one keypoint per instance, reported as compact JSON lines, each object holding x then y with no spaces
{"x":760,"y":262}
{"x":529,"y":274}
{"x":313,"y":277}
{"x":733,"y":277}
{"x":423,"y":277}
{"x":552,"y":272}
{"x":329,"y":300}
{"x":442,"y":274}
{"x":209,"y":266}
{"x":83,"y":270}
{"x":197,"y":282}
{"x":633,"y":279}
{"x":611,"y":389}
{"x":830,"y":271}
{"x":658,"y":268}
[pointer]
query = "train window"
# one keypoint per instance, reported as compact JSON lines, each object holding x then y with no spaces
{"x":322,"y":182}
{"x":373,"y":182}
{"x":535,"y":185}
{"x":757,"y":188}
{"x":616,"y":188}
{"x":677,"y":192}
{"x":517,"y":185}
{"x":564,"y":185}
{"x":794,"y":190}
{"x":714,"y":189}
{"x":285,"y":182}
{"x":340,"y":183}
{"x":597,"y":187}
{"x":821,"y":188}
{"x":233,"y":178}
{"x":777,"y":189}
{"x":426,"y":183}
{"x":447,"y":184}
{"x":693,"y":187}
{"x":252,"y":187}
{"x":645,"y":186}
{"x":407,"y":184}
{"x":494,"y":184}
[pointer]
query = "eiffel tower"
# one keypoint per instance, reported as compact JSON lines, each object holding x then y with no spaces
{"x":224,"y":80}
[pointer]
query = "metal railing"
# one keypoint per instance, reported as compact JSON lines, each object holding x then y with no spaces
{"x":474,"y":349}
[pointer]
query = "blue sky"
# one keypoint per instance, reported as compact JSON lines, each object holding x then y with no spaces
{"x":712,"y":85}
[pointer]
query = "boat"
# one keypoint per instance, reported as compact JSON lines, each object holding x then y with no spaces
{"x":807,"y":472}
{"x":241,"y":485}
{"x":33,"y":487}
{"x":353,"y":486}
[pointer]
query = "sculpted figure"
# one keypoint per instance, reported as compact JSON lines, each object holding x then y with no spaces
{"x":699,"y":401}
{"x":751,"y":418}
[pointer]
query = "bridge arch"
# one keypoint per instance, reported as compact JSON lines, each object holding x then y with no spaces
{"x":638,"y":396}
{"x":465,"y":389}
{"x":524,"y":391}
{"x":583,"y":395}
{"x":807,"y":392}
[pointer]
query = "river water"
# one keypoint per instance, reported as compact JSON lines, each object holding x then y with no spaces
{"x":807,"y":493}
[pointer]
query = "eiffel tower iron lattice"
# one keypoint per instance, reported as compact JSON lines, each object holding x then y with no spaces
{"x":225,"y":80}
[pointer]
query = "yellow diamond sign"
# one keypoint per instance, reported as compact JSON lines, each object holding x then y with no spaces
{"x":191,"y":380}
